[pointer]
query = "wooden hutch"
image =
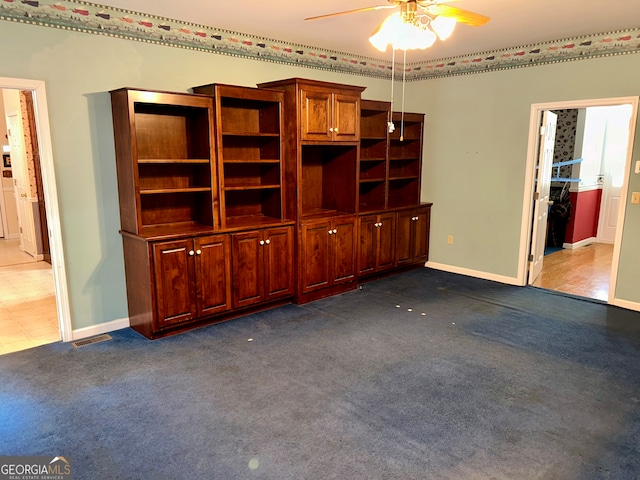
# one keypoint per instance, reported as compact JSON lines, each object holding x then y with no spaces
{"x":234,"y":199}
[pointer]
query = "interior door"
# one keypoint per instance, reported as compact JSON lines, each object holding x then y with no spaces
{"x":614,"y":160}
{"x":21,"y":185}
{"x":543,"y":186}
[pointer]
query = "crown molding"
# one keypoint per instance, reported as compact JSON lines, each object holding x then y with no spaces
{"x":85,"y":17}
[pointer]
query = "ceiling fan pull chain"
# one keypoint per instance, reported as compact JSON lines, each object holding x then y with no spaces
{"x":404,"y":76}
{"x":390,"y":126}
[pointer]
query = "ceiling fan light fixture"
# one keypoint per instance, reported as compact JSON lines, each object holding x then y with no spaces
{"x":443,"y":26}
{"x":401,"y":35}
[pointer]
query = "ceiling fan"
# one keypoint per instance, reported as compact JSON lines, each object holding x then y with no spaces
{"x":416,"y":24}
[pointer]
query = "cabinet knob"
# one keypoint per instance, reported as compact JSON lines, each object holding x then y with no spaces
{"x":330,"y":232}
{"x":335,"y":230}
{"x":380,"y":224}
{"x":331,"y":129}
{"x":267,"y":241}
{"x":198,"y":252}
{"x":192,"y":253}
{"x":261,"y":242}
{"x":335,"y":130}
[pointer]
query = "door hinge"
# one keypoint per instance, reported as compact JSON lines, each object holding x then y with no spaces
{"x":537,"y":196}
{"x":20,"y":229}
{"x":531,"y":258}
{"x":541,"y":129}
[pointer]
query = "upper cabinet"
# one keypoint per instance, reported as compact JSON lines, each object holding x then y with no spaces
{"x":164,"y":153}
{"x":249,"y":135}
{"x":327,"y":112}
{"x":329,"y":116}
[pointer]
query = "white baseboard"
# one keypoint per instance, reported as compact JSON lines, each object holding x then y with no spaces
{"x":581,"y":243}
{"x":474,"y":273}
{"x":626,"y":304}
{"x":100,"y":328}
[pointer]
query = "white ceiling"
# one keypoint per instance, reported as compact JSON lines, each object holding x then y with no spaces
{"x":513,"y":22}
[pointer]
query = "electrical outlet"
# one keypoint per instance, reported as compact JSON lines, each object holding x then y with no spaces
{"x":635,"y":197}
{"x":450,"y":239}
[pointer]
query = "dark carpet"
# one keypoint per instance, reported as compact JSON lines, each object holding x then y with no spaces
{"x":424,"y":375}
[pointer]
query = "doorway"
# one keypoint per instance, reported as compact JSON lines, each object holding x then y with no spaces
{"x":587,"y":265}
{"x":25,"y":278}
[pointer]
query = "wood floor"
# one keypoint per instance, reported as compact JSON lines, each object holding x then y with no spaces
{"x":584,"y":271}
{"x":28,"y":315}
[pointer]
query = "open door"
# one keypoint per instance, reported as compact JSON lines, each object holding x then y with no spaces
{"x":541,"y":195}
{"x":21,"y":185}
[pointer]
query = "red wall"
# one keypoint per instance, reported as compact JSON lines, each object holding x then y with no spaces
{"x":585,"y":209}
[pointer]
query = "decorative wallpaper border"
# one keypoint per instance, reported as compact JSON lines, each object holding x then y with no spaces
{"x":92,"y":18}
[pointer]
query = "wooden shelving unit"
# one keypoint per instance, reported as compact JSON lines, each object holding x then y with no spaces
{"x":405,"y":160}
{"x":164,"y":153}
{"x":249,"y":128}
{"x":374,"y":163}
{"x":233,"y":197}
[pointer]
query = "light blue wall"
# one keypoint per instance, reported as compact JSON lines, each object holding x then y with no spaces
{"x":476,"y":138}
{"x":475,"y":145}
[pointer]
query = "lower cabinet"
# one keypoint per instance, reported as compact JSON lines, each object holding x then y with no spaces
{"x":262,"y":265}
{"x":412,"y":239}
{"x":192,"y":278}
{"x":377,"y":239}
{"x":172,"y":283}
{"x":327,"y":255}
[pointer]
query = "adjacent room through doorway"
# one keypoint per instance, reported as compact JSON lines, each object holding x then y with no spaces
{"x":583,"y":206}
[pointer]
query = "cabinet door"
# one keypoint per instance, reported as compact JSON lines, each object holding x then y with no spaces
{"x":314,"y":257}
{"x":421,"y":235}
{"x":367,"y":244}
{"x":174,"y":277}
{"x":404,"y":237}
{"x":343,"y":250}
{"x":316,"y":115}
{"x":248,"y":268}
{"x":278,"y":258}
{"x":213,"y":274}
{"x":386,"y":253}
{"x":346,"y":114}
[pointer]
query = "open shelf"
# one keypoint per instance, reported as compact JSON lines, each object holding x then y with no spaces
{"x":372,"y":196}
{"x":404,"y":192}
{"x":328,"y":179}
{"x":252,"y":203}
{"x":186,"y":207}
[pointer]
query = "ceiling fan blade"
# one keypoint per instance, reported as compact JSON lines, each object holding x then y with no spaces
{"x":347,"y":12}
{"x":462,"y":16}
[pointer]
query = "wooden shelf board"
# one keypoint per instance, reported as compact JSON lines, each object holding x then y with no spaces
{"x":322,"y":213}
{"x":371,"y":180}
{"x":373,"y":159}
{"x":403,"y":159}
{"x":155,"y":191}
{"x":253,"y":160}
{"x":251,"y":187}
{"x":247,"y":221}
{"x":404,"y":177}
{"x":174,"y":230}
{"x":250,"y":134}
{"x":373,"y":139}
{"x":172,"y":160}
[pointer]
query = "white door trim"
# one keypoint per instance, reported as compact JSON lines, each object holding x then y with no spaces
{"x":527,"y":203}
{"x":50,"y":197}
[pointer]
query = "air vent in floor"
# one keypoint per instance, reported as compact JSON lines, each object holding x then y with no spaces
{"x":88,"y":341}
